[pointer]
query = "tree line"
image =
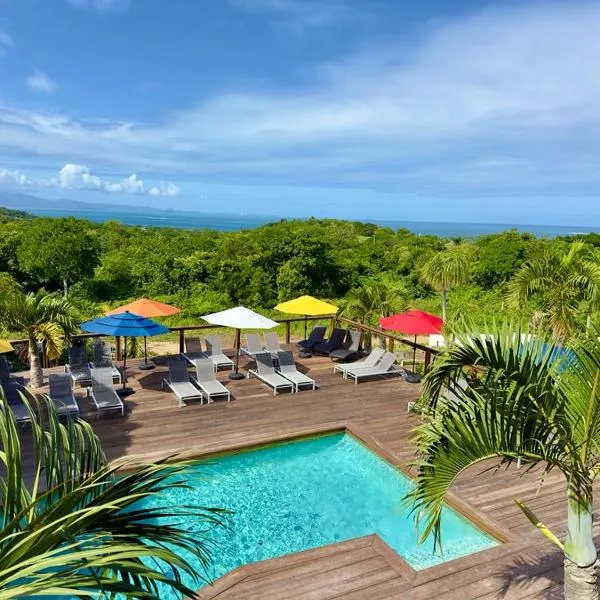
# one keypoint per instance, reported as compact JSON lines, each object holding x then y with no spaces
{"x":368,"y":269}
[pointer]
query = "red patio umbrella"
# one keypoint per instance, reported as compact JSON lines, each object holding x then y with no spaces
{"x":413,"y":322}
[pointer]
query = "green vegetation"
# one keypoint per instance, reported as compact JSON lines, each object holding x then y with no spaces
{"x":76,"y":528}
{"x":561,"y":280}
{"x":105,"y":265}
{"x":532,"y":403}
{"x":9,"y":213}
{"x":43,"y":318}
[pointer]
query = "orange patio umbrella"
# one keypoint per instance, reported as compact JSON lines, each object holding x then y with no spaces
{"x":144,"y":307}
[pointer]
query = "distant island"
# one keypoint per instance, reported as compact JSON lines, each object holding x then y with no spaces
{"x":146,"y":216}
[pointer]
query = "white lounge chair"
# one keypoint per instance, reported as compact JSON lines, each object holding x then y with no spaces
{"x":180,"y":384}
{"x":267,"y":374}
{"x":287,"y":367}
{"x":193,"y":350}
{"x":103,"y":394}
{"x":215,"y":353}
{"x":272,"y":343}
{"x":383,"y":367}
{"x":367,"y":362}
{"x":206,"y":380}
{"x":253,"y":345}
{"x":61,"y":393}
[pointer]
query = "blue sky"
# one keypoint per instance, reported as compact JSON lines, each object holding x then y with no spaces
{"x":464,"y":110}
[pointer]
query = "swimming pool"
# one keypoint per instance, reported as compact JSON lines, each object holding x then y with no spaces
{"x":312,"y":492}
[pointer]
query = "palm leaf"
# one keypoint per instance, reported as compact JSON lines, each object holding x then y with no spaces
{"x":82,"y":528}
{"x":514,"y":410}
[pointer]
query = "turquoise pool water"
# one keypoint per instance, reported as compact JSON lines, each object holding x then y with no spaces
{"x":308,"y":493}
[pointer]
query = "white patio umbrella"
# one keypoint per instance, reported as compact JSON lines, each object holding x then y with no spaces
{"x":239,"y":318}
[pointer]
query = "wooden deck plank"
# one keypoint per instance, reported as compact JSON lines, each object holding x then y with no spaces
{"x":526,"y":568}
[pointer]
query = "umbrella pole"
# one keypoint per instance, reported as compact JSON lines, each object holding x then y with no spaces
{"x":236,"y":374}
{"x":125,"y":391}
{"x":414,"y":353}
{"x":304,"y":353}
{"x":124,"y":361}
{"x":146,"y":365}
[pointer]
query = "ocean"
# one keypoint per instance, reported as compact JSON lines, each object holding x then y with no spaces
{"x":235,"y":222}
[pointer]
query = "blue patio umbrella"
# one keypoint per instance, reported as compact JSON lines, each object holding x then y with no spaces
{"x":124,"y":325}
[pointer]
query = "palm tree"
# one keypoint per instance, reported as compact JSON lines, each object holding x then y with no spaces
{"x":561,"y":282}
{"x":446,"y":270}
{"x":79,"y":527}
{"x":41,"y":317}
{"x":371,"y":301}
{"x":533,"y":403}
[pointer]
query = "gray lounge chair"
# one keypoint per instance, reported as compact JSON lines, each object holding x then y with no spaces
{"x":103,"y":394}
{"x":350,"y":348}
{"x":6,"y":377}
{"x":215,"y":353}
{"x":12,"y":393}
{"x":78,"y":366}
{"x":317,"y":336}
{"x":287,"y":367}
{"x":193,"y":349}
{"x":253,"y":345}
{"x":206,"y":380}
{"x":335,"y":341}
{"x":179,"y":382}
{"x":102,"y":357}
{"x":267,"y":374}
{"x":61,"y":393}
{"x":383,"y":367}
{"x":367,"y":362}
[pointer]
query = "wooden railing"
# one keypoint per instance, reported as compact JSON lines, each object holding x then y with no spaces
{"x":181,"y":330}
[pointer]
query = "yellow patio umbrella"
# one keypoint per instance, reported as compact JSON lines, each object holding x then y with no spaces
{"x":5,"y":346}
{"x":307,"y":306}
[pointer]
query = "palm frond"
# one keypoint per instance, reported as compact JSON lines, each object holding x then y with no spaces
{"x":82,"y":527}
{"x":513,"y":410}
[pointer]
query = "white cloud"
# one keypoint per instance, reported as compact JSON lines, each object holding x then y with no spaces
{"x":79,"y":177}
{"x":14,"y":178}
{"x":102,"y":6}
{"x":129,"y":185}
{"x":164,"y":188}
{"x":40,"y":82}
{"x":73,"y":176}
{"x":503,"y":100}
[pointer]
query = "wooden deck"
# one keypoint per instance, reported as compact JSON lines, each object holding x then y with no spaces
{"x":525,"y":567}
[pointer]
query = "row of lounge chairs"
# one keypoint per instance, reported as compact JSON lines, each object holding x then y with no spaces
{"x":80,"y":369}
{"x":254,"y":346}
{"x":285,"y":377}
{"x":60,"y":392}
{"x":377,"y":363}
{"x":204,"y":385}
{"x":213,"y":352}
{"x":342,"y":344}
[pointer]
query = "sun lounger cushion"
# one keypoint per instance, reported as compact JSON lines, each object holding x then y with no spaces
{"x":317,"y":335}
{"x":335,"y":341}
